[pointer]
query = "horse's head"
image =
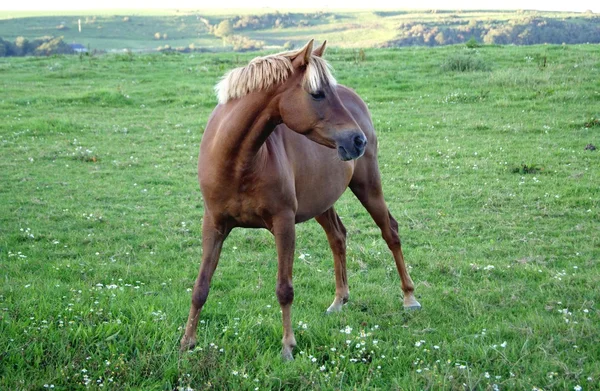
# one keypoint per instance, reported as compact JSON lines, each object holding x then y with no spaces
{"x":310,"y":105}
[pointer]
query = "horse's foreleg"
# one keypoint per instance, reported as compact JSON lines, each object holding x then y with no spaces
{"x":371,"y":196}
{"x":284,"y":231}
{"x":213,"y":236}
{"x":336,"y":236}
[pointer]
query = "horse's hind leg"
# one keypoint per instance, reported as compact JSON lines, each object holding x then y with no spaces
{"x":366,"y":185}
{"x":213,"y":236}
{"x":336,"y":235}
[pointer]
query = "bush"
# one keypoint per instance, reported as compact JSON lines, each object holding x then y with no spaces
{"x":241,"y":43}
{"x":592,"y":122}
{"x":465,"y":62}
{"x":473,"y":43}
{"x":527,"y":169}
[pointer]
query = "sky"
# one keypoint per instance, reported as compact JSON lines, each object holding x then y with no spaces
{"x":550,"y":5}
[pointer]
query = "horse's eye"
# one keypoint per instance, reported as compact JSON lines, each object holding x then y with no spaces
{"x":318,"y":95}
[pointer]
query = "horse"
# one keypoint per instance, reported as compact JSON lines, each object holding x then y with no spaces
{"x":280,"y":148}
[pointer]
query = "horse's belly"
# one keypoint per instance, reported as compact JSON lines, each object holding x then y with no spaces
{"x":319,"y":194}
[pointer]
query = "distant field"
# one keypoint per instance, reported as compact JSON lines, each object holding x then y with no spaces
{"x":136,"y":30}
{"x":486,"y":171}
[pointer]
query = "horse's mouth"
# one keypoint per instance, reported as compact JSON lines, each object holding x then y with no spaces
{"x":352,"y":147}
{"x":344,"y":155}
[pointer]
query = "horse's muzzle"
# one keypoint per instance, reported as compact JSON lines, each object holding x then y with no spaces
{"x":352,"y":147}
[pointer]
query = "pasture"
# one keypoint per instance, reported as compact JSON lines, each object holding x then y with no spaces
{"x":486,"y":171}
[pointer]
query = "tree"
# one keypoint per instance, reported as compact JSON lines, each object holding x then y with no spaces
{"x":21,"y":46}
{"x":440,"y":39}
{"x":53,"y":45}
{"x":224,"y":29}
{"x":4,"y":48}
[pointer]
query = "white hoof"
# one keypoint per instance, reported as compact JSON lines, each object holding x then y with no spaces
{"x":286,"y":354}
{"x":410,"y":303}
{"x":413,"y":307}
{"x":335,"y":307}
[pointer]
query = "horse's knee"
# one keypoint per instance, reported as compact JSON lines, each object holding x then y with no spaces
{"x":200,"y":295}
{"x":392,"y":238}
{"x":285,"y":293}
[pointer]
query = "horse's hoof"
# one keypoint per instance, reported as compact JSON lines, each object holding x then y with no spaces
{"x":286,"y":355}
{"x":410,"y":303}
{"x":187,"y":344}
{"x":333,"y":309}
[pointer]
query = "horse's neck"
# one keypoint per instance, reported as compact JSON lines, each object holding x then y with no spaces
{"x":245,"y":126}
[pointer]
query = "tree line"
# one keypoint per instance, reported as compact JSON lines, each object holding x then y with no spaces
{"x":43,"y":46}
{"x":279,"y":20}
{"x":523,"y":31}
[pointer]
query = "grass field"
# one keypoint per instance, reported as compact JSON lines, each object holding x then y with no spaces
{"x":486,"y":171}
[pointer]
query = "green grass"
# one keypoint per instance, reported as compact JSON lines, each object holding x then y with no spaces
{"x":100,"y":230}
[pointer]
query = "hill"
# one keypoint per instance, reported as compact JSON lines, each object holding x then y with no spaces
{"x":243,"y":29}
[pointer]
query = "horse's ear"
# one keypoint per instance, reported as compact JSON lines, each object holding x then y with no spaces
{"x":303,"y":56}
{"x":320,"y":50}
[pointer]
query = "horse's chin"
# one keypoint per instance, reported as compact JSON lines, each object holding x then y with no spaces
{"x":345,"y":156}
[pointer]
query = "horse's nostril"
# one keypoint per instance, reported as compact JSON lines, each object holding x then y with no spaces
{"x":360,"y":141}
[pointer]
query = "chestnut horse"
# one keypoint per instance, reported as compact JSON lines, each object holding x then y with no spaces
{"x":280,"y":148}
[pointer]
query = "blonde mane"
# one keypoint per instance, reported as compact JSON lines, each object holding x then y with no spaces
{"x":265,"y":72}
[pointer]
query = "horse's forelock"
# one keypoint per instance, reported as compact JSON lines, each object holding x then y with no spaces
{"x":264,"y":72}
{"x":318,"y":74}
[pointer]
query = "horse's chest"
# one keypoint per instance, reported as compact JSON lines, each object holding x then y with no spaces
{"x":249,"y":202}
